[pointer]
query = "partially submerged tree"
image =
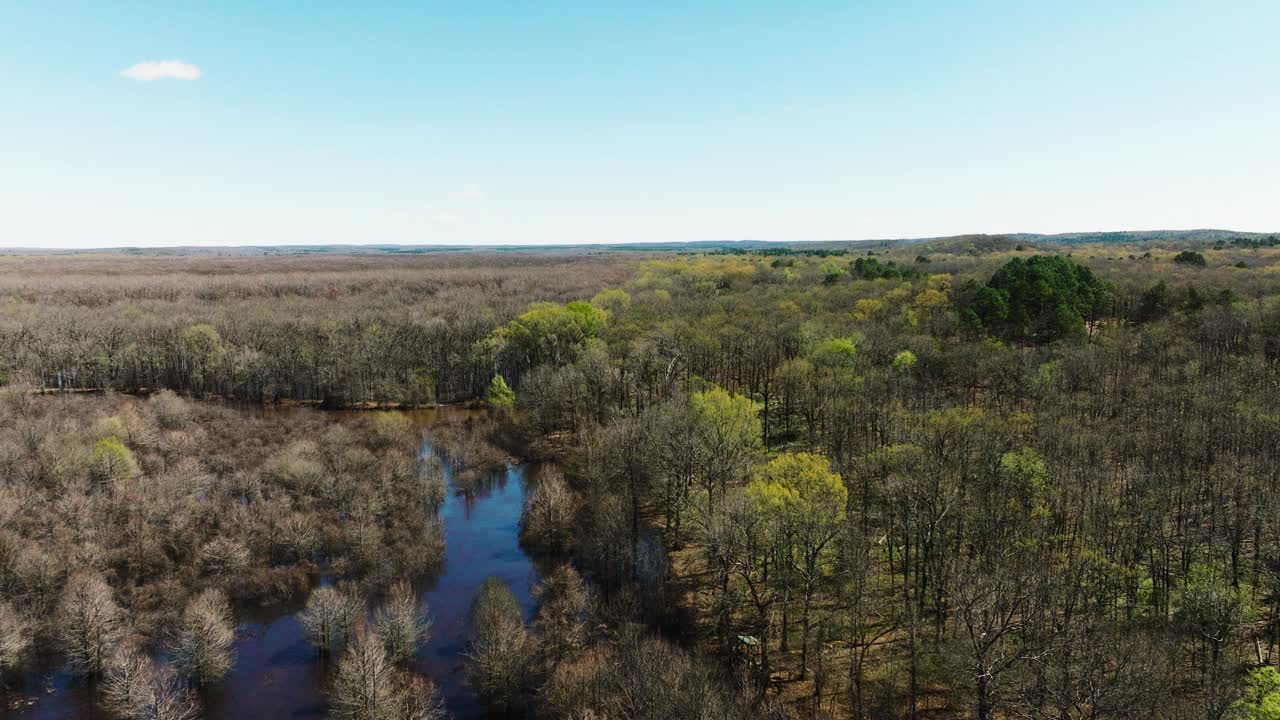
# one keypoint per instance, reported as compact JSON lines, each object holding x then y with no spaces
{"x":137,"y":688}
{"x":15,"y":638}
{"x":90,"y":623}
{"x":402,"y":622}
{"x":202,"y":649}
{"x":330,"y":617}
{"x":365,"y":685}
{"x":498,"y":654}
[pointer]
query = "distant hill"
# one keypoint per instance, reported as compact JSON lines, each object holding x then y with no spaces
{"x":1208,"y":235}
{"x":973,"y":244}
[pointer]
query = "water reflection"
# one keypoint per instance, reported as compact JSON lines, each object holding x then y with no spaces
{"x":278,"y":675}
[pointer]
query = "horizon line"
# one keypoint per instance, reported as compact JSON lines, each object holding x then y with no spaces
{"x":1032,"y":236}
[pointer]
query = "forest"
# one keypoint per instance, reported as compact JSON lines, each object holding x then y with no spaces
{"x":973,"y":478}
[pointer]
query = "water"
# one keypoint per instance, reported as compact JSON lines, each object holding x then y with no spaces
{"x":278,"y":675}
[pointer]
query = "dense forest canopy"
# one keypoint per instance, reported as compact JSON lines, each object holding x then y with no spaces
{"x":1042,"y":298}
{"x":986,"y":479}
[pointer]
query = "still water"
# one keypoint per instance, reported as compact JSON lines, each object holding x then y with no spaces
{"x":278,"y":675}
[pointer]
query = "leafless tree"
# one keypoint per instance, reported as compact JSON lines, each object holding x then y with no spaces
{"x":202,"y":649}
{"x":547,"y":520}
{"x":90,"y":623}
{"x":15,"y":637}
{"x":329,"y":618}
{"x":499,"y":651}
{"x":365,"y":687}
{"x":136,"y":688}
{"x":402,"y":622}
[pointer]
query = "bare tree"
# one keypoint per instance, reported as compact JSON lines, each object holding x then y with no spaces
{"x":15,"y":637}
{"x":499,"y":650}
{"x":202,"y":649}
{"x":224,"y":557}
{"x":402,"y":622}
{"x":419,"y":698}
{"x":365,"y":687}
{"x":90,"y":623}
{"x":329,"y":617}
{"x":562,"y":613}
{"x":548,"y":514}
{"x":136,"y":688}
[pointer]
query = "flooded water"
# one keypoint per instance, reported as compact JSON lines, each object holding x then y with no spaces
{"x":278,"y":675}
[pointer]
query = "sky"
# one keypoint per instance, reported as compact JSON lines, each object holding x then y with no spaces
{"x":311,"y":122}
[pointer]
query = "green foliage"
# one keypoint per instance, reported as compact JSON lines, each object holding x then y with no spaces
{"x":873,"y":269}
{"x":800,"y":487}
{"x":1211,"y":608}
{"x":500,"y":394}
{"x":1041,"y":299}
{"x":722,"y":413}
{"x":201,"y":341}
{"x":1154,"y":303}
{"x":727,"y":434}
{"x":1025,"y":478}
{"x":904,"y":361}
{"x":612,"y":300}
{"x":1261,"y":700}
{"x":835,"y":353}
{"x":546,"y":333}
{"x":1256,"y":242}
{"x":113,"y":459}
{"x":1190,"y":257}
{"x":831,"y":272}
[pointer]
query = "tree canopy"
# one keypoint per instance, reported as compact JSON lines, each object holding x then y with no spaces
{"x":1038,"y":299}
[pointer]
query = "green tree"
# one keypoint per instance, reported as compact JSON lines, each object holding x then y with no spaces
{"x":500,"y":393}
{"x":1261,"y":699}
{"x":546,"y":333}
{"x":1213,"y":613}
{"x":201,"y":352}
{"x":728,"y":432}
{"x":1041,"y":298}
{"x":806,"y":502}
{"x":1190,"y":257}
{"x":904,"y":361}
{"x":831,"y":273}
{"x":112,"y":460}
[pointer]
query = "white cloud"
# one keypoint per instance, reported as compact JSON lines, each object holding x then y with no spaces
{"x":161,"y":70}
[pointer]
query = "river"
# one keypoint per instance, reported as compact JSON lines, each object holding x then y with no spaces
{"x":278,"y":675}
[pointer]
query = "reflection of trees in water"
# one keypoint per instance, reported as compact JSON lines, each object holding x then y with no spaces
{"x":464,"y":446}
{"x":473,"y":484}
{"x":467,"y":443}
{"x":432,"y":482}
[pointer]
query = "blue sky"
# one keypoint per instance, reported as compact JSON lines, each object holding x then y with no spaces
{"x":550,"y":122}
